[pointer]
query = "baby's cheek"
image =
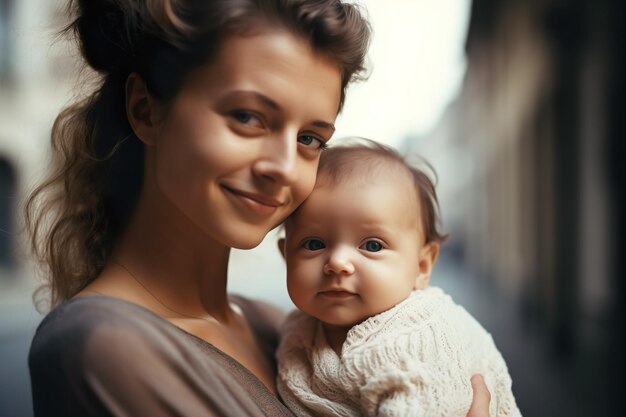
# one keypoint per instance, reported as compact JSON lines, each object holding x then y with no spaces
{"x":302,"y":283}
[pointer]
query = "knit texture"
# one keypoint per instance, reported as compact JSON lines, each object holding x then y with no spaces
{"x":415,"y":359}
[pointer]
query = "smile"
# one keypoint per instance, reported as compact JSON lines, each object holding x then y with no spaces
{"x":256,"y":203}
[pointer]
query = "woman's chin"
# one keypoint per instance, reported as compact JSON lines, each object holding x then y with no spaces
{"x":246,"y":241}
{"x":246,"y":246}
{"x":248,"y":237}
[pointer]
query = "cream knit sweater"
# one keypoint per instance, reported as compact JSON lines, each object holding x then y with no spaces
{"x":415,"y":359}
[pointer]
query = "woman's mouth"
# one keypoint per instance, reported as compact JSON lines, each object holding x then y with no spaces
{"x":256,"y":203}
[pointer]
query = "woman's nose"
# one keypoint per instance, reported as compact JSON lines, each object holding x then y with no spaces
{"x":279,"y":158}
{"x":339,"y":263}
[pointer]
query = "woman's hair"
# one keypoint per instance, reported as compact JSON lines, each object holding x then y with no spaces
{"x":76,"y":216}
{"x":360,"y":159}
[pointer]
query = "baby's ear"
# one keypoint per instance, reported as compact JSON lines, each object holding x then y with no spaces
{"x":281,"y":246}
{"x":427,"y":259}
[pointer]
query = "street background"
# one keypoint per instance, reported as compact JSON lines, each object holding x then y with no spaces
{"x":518,"y":106}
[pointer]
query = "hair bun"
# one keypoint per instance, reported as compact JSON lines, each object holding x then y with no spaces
{"x":104,"y":37}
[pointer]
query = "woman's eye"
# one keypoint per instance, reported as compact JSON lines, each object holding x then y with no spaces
{"x":246,"y":118}
{"x":372,"y":246}
{"x":311,"y":141}
{"x":313,"y":244}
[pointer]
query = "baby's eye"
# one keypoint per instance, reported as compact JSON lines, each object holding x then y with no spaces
{"x":372,"y":246}
{"x":311,"y":141}
{"x":313,"y":244}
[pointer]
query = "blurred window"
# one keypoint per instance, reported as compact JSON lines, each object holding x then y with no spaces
{"x":7,"y":199}
{"x":6,"y":66}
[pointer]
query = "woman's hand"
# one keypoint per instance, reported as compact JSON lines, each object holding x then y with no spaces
{"x":482,"y":397}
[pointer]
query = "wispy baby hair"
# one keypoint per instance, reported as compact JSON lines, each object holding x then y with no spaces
{"x":346,"y":158}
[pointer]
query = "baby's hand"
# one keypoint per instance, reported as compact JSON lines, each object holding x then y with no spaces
{"x":480,"y":403}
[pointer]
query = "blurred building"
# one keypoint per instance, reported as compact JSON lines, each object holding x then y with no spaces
{"x":532,"y":189}
{"x":532,"y":180}
{"x":35,"y":73}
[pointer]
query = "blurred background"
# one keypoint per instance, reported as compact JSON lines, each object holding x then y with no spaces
{"x":517,"y":104}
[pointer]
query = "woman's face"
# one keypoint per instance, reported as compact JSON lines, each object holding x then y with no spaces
{"x":237,"y":149}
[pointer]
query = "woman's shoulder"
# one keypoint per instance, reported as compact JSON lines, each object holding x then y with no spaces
{"x":87,"y":328}
{"x":89,"y":343}
{"x":97,"y":323}
{"x":79,"y":317}
{"x":91,"y":332}
{"x":99,"y":306}
{"x":101,"y":350}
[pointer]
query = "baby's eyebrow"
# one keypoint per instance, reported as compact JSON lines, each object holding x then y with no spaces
{"x":376,"y":227}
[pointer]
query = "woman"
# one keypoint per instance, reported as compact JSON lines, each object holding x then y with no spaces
{"x":203,"y":135}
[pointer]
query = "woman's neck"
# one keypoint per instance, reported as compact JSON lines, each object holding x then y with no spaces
{"x":175,"y":261}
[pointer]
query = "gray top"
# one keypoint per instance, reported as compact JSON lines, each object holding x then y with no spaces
{"x":101,"y":356}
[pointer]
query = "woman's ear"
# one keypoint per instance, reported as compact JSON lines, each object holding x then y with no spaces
{"x":427,"y":259}
{"x":281,"y":246}
{"x":141,"y":109}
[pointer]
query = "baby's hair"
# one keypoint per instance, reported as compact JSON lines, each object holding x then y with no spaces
{"x":341,"y":161}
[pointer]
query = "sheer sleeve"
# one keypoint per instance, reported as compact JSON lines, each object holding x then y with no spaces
{"x":103,"y":358}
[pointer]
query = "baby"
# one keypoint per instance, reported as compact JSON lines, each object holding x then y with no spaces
{"x":371,"y":337}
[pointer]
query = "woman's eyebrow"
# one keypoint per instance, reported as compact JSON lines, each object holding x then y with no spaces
{"x":324,"y":125}
{"x":274,"y":105}
{"x":254,"y":95}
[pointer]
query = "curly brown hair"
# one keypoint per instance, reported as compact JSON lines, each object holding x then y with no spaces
{"x":76,"y":216}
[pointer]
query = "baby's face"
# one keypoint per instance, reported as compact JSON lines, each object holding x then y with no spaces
{"x":352,"y":250}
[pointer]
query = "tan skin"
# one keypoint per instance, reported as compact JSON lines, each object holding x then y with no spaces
{"x":226,"y":161}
